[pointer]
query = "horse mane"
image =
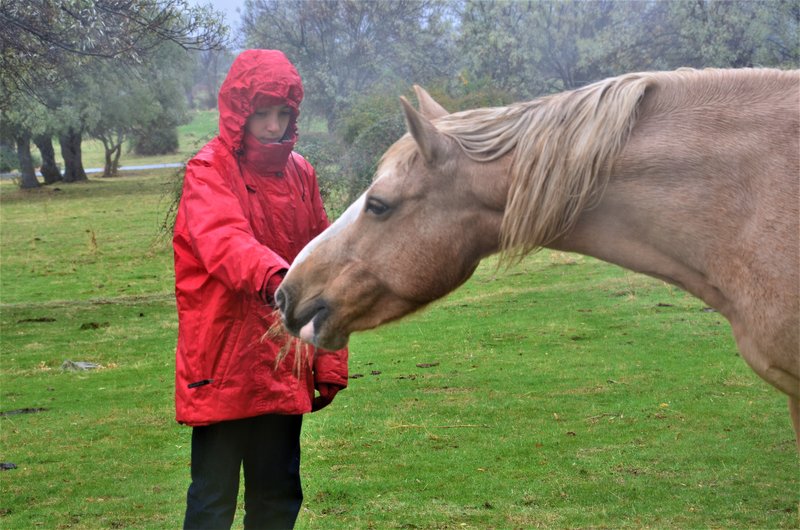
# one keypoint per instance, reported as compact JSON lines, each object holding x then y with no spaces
{"x":562,"y":146}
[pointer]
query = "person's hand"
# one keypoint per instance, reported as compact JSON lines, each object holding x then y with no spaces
{"x":326,"y":394}
{"x":272,"y":284}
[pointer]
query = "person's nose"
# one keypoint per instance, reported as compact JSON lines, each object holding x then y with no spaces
{"x":273,"y":123}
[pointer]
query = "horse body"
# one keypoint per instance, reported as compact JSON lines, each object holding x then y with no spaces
{"x":689,"y":176}
{"x":716,"y":212}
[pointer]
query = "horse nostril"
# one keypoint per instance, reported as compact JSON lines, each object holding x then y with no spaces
{"x":280,"y":300}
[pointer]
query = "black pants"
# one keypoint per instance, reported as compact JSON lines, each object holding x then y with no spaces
{"x":268,"y":448}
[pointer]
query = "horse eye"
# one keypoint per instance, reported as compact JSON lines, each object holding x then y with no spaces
{"x":376,"y":207}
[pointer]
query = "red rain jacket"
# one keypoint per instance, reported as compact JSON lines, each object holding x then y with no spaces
{"x":245,"y":213}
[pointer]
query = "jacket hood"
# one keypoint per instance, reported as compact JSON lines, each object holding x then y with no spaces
{"x":257,"y":78}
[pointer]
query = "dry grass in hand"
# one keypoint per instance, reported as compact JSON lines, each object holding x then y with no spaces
{"x":280,"y":335}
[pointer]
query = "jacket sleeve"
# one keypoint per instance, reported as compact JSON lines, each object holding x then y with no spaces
{"x":331,"y":367}
{"x":220,"y":233}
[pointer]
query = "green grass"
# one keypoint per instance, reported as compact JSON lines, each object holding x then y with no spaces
{"x":563,"y":393}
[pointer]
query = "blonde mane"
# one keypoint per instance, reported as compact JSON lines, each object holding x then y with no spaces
{"x":562,"y":147}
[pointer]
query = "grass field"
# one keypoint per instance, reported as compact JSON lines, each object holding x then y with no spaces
{"x":562,"y":393}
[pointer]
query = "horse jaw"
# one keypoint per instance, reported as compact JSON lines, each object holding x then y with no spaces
{"x":310,"y":301}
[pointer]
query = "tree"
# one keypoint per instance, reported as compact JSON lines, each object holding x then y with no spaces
{"x":736,"y":34}
{"x":70,"y":141}
{"x":210,"y":67}
{"x":44,"y":41}
{"x":168,"y":77}
{"x":121,"y":103}
{"x":49,"y":168}
{"x":344,"y":48}
{"x":28,"y":119}
{"x":145,"y":104}
{"x":532,"y":48}
{"x":27,"y":171}
{"x":51,"y":48}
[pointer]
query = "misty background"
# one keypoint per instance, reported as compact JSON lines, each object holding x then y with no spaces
{"x":129,"y":74}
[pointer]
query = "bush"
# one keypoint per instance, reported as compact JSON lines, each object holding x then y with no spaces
{"x":159,"y":138}
{"x":372,"y":125}
{"x":9,"y":161}
{"x":463,"y":94}
{"x":8,"y":158}
{"x":324,"y":151}
{"x":375,"y":122}
{"x":368,"y":148}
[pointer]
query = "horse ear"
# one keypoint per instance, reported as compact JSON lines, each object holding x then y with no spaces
{"x":428,"y":107}
{"x":432,"y":144}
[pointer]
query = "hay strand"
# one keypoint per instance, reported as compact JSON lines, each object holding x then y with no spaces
{"x":278,"y":334}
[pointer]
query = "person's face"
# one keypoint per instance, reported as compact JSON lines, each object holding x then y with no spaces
{"x":268,"y":124}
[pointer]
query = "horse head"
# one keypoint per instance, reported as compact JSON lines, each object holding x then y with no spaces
{"x":417,"y":233}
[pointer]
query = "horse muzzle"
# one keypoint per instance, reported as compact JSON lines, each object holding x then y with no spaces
{"x":306,"y":321}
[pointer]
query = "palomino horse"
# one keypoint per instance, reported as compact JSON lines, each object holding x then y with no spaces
{"x":690,"y":176}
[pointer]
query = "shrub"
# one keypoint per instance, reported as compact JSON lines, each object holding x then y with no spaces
{"x":373,"y":123}
{"x":8,"y":158}
{"x":324,"y":151}
{"x":159,"y":138}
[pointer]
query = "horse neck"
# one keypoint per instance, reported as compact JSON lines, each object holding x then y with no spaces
{"x":641,"y":232}
{"x":489,"y":183}
{"x":682,"y":201}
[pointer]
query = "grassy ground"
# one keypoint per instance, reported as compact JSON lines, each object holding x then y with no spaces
{"x":563,"y":393}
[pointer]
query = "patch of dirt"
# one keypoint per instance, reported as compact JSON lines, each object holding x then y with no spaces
{"x":36,"y":320}
{"x":427,"y":365}
{"x":29,"y":410}
{"x":94,"y":325}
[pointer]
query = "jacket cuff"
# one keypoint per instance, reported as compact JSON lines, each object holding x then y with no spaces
{"x":331,"y":367}
{"x":270,"y":285}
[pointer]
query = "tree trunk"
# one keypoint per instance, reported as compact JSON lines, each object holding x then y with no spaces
{"x":71,"y":151}
{"x":107,"y":151}
{"x":50,"y":171}
{"x":113,"y":150}
{"x":112,"y":161}
{"x":115,"y":162}
{"x":28,"y":179}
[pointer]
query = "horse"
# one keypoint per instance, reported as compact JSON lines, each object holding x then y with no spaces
{"x":689,"y":176}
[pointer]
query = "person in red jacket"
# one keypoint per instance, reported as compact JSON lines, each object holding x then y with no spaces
{"x":249,"y":205}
